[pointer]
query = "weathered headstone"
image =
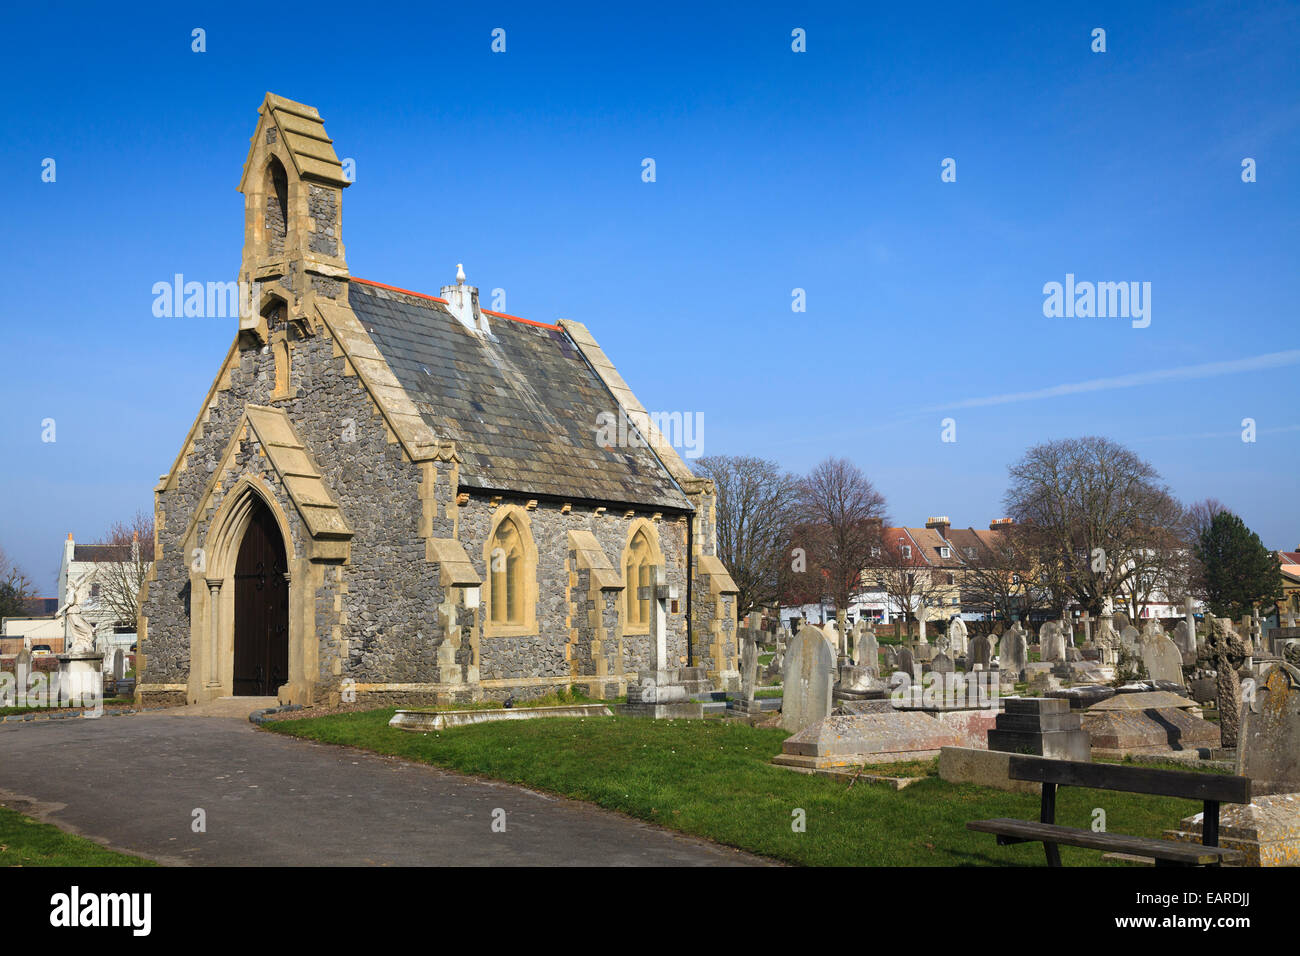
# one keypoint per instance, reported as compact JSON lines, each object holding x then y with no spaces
{"x":941,"y":663}
{"x":958,"y":637}
{"x":1013,"y":657}
{"x":809,"y":679}
{"x":997,"y":637}
{"x":1269,"y":751}
{"x":1051,"y":642}
{"x":867,"y":650}
{"x":1224,"y":651}
{"x":1185,"y":640}
{"x":1108,"y":641}
{"x":1160,"y":656}
{"x":891,"y":659}
{"x":980,"y":653}
{"x":906,"y":662}
{"x":834,"y":636}
{"x":748,"y":663}
{"x":1129,"y":636}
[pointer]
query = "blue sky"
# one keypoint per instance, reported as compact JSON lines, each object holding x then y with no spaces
{"x":775,"y":170}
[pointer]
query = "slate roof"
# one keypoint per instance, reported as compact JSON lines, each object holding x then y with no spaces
{"x":96,"y":553}
{"x":520,"y":406}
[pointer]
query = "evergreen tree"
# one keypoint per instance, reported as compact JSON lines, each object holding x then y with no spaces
{"x":1239,"y":572}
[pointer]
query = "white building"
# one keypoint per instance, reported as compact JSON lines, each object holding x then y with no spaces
{"x":83,"y":576}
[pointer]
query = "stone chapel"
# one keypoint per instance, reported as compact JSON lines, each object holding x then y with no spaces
{"x":406,"y":498}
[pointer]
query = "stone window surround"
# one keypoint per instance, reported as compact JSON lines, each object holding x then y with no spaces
{"x":528,"y":574}
{"x":507,"y":570}
{"x":646,"y":527}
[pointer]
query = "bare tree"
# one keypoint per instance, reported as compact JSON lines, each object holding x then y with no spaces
{"x":15,"y":588}
{"x":998,"y":580}
{"x":756,"y":502}
{"x":130,"y":555}
{"x":1163,"y":567}
{"x":1199,"y":518}
{"x":1200,"y":515}
{"x":841,"y":513}
{"x":905,"y":577}
{"x":1091,"y":510}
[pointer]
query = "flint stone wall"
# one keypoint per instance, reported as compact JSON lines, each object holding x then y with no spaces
{"x":385,"y":600}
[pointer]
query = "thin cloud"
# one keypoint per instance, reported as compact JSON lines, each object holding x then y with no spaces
{"x":1235,"y":433}
{"x":1158,"y":377}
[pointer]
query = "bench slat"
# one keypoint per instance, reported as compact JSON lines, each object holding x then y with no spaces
{"x":1190,"y":853}
{"x":1101,"y":776}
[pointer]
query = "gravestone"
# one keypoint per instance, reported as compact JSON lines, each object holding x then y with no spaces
{"x":1161,"y":657}
{"x":1129,"y":635}
{"x":1185,"y":641}
{"x":809,"y":679}
{"x":891,"y":658}
{"x":866,"y":650}
{"x":748,"y":663}
{"x":1042,"y":726}
{"x":958,"y":638}
{"x":996,"y":638}
{"x":1108,"y":642}
{"x":1269,"y":752}
{"x":777,"y":664}
{"x":834,"y":636}
{"x":941,"y":663}
{"x":1224,"y":652}
{"x":1051,"y":642}
{"x":906,"y":662}
{"x":1013,"y":657}
{"x":980,"y":653}
{"x":119,"y":665}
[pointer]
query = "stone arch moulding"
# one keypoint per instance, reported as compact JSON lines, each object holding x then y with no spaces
{"x":212,"y":616}
{"x":645,"y":527}
{"x":528,"y":626}
{"x":324,"y":539}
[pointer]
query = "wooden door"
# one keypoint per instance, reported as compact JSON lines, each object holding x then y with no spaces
{"x":261,"y":609}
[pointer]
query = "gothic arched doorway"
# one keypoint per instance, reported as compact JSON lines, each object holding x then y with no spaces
{"x":261,"y":609}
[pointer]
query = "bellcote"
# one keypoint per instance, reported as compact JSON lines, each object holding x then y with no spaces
{"x":462,"y":302}
{"x":293,"y":186}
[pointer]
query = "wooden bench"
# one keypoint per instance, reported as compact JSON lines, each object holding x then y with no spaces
{"x":1213,"y":789}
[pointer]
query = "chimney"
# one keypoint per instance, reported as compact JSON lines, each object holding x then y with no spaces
{"x":940,"y":524}
{"x":1000,"y":524}
{"x":462,"y":302}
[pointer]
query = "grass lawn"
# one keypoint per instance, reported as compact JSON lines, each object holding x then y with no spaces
{"x":712,"y":779}
{"x":27,"y":842}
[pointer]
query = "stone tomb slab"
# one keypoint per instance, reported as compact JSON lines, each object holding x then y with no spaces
{"x":1086,"y":696}
{"x":422,"y":721}
{"x":847,"y":741}
{"x":1154,"y":730}
{"x":1144,"y":700}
